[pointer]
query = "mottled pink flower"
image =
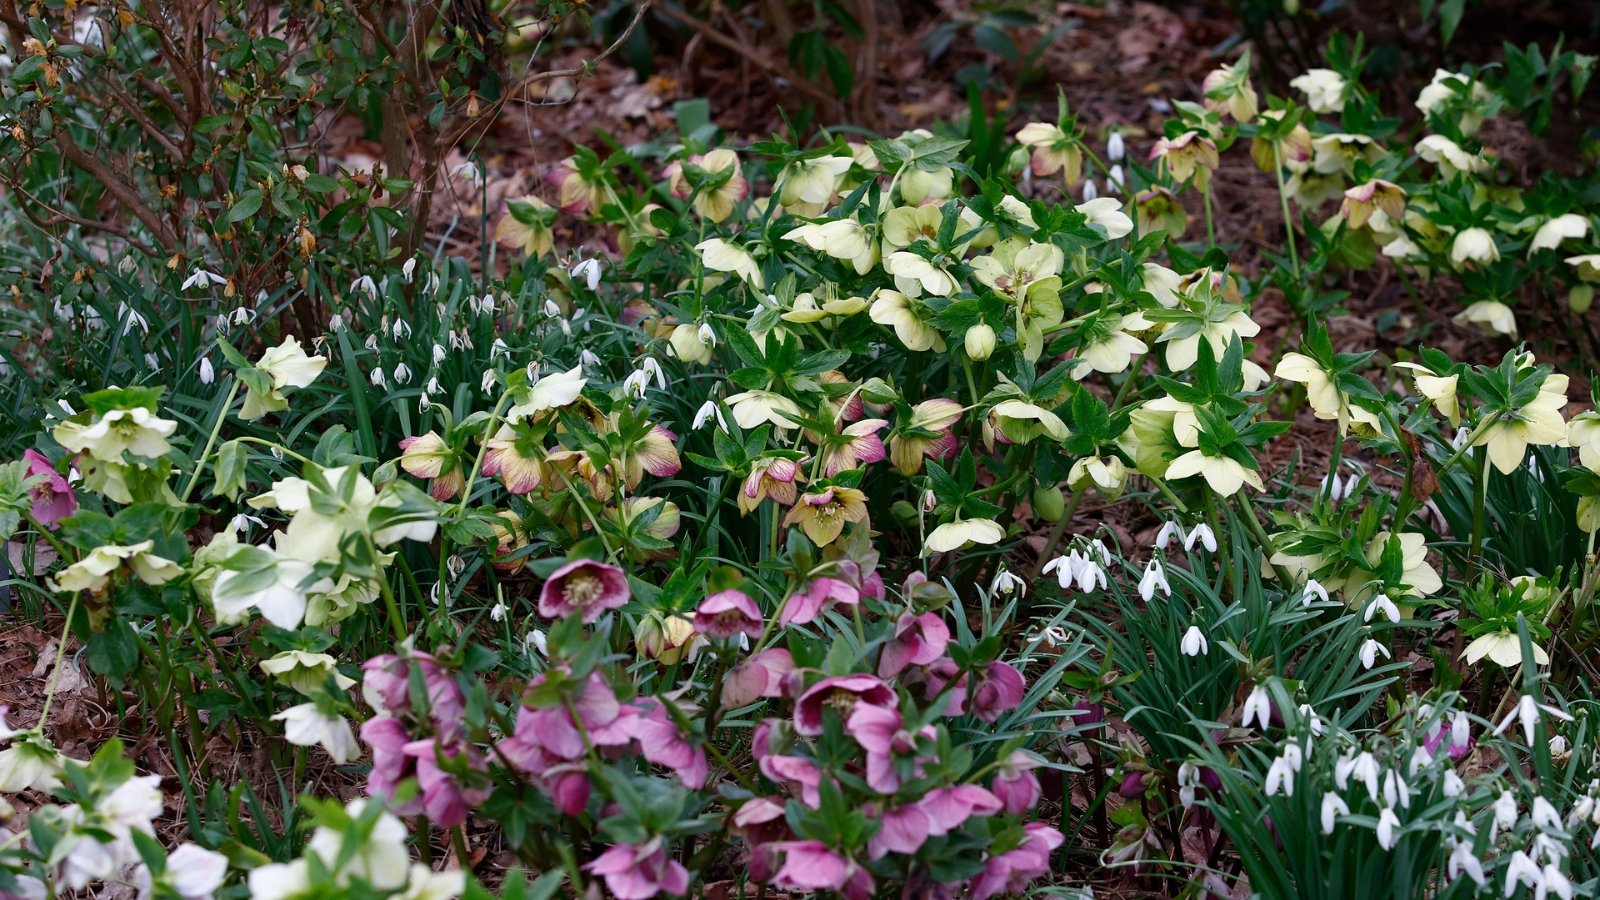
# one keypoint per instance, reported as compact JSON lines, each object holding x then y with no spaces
{"x":542,"y":736}
{"x":762,"y":675}
{"x":388,"y":737}
{"x":762,"y":822}
{"x":818,"y":596}
{"x":935,"y":680}
{"x":904,"y":829}
{"x":795,"y":773}
{"x":640,"y":872}
{"x":585,"y":587}
{"x":53,"y":499}
{"x":853,"y":447}
{"x":814,"y":866}
{"x":662,"y":743}
{"x":842,"y":692}
{"x":770,"y":476}
{"x":447,"y":795}
{"x":949,"y":808}
{"x":995,"y":689}
{"x":569,"y":787}
{"x":1015,"y":784}
{"x":386,"y":686}
{"x":727,"y":613}
{"x":1011,"y":871}
{"x":918,"y":641}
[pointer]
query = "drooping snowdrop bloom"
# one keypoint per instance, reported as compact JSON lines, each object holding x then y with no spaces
{"x":1203,"y":534}
{"x":1257,"y":708}
{"x":1522,"y":870}
{"x":1170,"y":531}
{"x":202,"y":277}
{"x":1381,"y":603}
{"x":1527,"y":713}
{"x":1333,"y":806}
{"x":1008,"y":582}
{"x":1065,"y":568}
{"x":1194,"y":642}
{"x":1363,"y":767}
{"x":1313,"y":591}
{"x":1388,"y":826}
{"x":1280,"y":777}
{"x":706,"y":413}
{"x":1154,"y":579}
{"x":1188,"y":780}
{"x":1370,"y":649}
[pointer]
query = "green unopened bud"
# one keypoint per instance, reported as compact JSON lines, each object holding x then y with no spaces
{"x":980,"y":341}
{"x":904,"y":513}
{"x":1048,"y":503}
{"x":1581,"y":297}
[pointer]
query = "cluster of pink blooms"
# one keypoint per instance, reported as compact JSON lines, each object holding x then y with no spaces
{"x":428,"y":744}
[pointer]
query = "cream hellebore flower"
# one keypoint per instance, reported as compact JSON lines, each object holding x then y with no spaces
{"x":1223,"y":474}
{"x":914,"y":275}
{"x":1107,"y":474}
{"x":753,"y":408}
{"x":1163,"y":284}
{"x":1053,"y":150}
{"x":1335,"y":154}
{"x":1583,"y":432}
{"x":526,"y":226}
{"x":1327,"y":401}
{"x":1552,"y":233}
{"x":1227,"y":89}
{"x":1503,"y":648}
{"x":896,"y":310}
{"x":289,"y":367}
{"x":138,"y":431}
{"x":721,"y":256}
{"x":960,"y":533}
{"x":305,"y":672}
{"x":841,"y":239}
{"x":1489,"y":315}
{"x":93,"y":572}
{"x":905,"y":225}
{"x":1115,"y":352}
{"x":1448,"y":155}
{"x":1182,"y":352}
{"x":1538,"y":423}
{"x":1107,"y":213}
{"x":692,"y":343}
{"x":550,"y":392}
{"x":307,"y":726}
{"x":281,"y":599}
{"x":1017,"y":265}
{"x":1440,"y":390}
{"x":1324,"y":90}
{"x":808,"y":185}
{"x":1416,"y":574}
{"x":1438,"y":92}
{"x":1474,"y":245}
{"x":1021,"y":421}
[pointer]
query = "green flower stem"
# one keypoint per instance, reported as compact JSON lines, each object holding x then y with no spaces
{"x":211,"y":440}
{"x":52,"y":540}
{"x":1480,"y":497}
{"x":483,"y":450}
{"x":61,"y":654}
{"x":396,"y":619}
{"x":1283,"y":202}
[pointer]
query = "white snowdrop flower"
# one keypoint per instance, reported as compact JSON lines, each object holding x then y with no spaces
{"x":1008,"y":582}
{"x":636,"y":384}
{"x":498,"y":349}
{"x":1460,"y":731}
{"x":1188,"y":780}
{"x":372,"y":341}
{"x":439,"y":354}
{"x":433,"y":386}
{"x":378,"y":378}
{"x":588,"y":359}
{"x":652,"y":368}
{"x":589,"y":271}
{"x":1460,"y":439}
{"x":1363,"y":767}
{"x":1395,"y":790}
{"x":455,"y":565}
{"x":1505,"y":813}
{"x":409,"y":269}
{"x":536,"y":640}
{"x":1420,"y":759}
{"x":1581,"y":809}
{"x":1313,"y":591}
{"x":1548,"y":848}
{"x":1280,"y":778}
{"x":551,"y":310}
{"x":1116,"y":148}
{"x":497,"y":612}
{"x":468,"y":172}
{"x":1114,"y":179}
{"x":202,"y":277}
{"x":1294,"y":755}
{"x":531,"y":370}
{"x":1369,"y":653}
{"x":242,"y":315}
{"x":1383,"y":604}
{"x":1169,"y":530}
{"x":1315,"y":721}
{"x":1097,"y":548}
{"x":1203,"y":534}
{"x":1154,"y":579}
{"x":1194,"y":642}
{"x":1257,"y":708}
{"x":1552,"y":884}
{"x":1091,"y":576}
{"x":484,"y":305}
{"x":241,"y":523}
{"x":1522,"y":870}
{"x":1090,"y":192}
{"x":336,"y":323}
{"x":566,"y":327}
{"x":402,"y":329}
{"x":1335,"y":489}
{"x":1527,"y":712}
{"x":365,"y":285}
{"x":1558,"y":745}
{"x":130,"y":319}
{"x":440,"y":596}
{"x":276,"y":451}
{"x":1544,"y":815}
{"x":708,"y":411}
{"x":151,"y":361}
{"x":1388,"y":824}
{"x":402,"y":374}
{"x":706,"y":335}
{"x":1463,"y":862}
{"x":487,"y":382}
{"x":1453,"y":786}
{"x":1333,"y":806}
{"x":1065,"y":568}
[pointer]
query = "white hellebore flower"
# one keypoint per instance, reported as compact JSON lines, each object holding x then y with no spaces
{"x":1503,"y":648}
{"x":550,"y":392}
{"x":1474,"y":245}
{"x":192,"y":873}
{"x":1324,"y":90}
{"x":960,"y":533}
{"x":1552,"y":233}
{"x":1194,"y":642}
{"x":1107,"y":213}
{"x":307,"y":726}
{"x":722,"y":256}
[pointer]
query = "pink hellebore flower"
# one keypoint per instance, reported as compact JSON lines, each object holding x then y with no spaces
{"x":795,"y":772}
{"x":727,"y":613}
{"x":640,"y":872}
{"x":762,"y":675}
{"x":814,"y":866}
{"x":927,"y":435}
{"x":949,"y":808}
{"x":820,"y":595}
{"x":662,"y":743}
{"x":550,"y":734}
{"x":881,"y":733}
{"x":842,"y":692}
{"x":53,"y":499}
{"x":388,"y":738}
{"x":997,"y":688}
{"x":386,"y":686}
{"x":903,"y":829}
{"x":574,"y":193}
{"x":918,"y":641}
{"x":428,"y":456}
{"x":854,"y":447}
{"x":444,"y":798}
{"x":1010,"y":872}
{"x":772,"y":476}
{"x":1016,"y":785}
{"x":655,"y":453}
{"x":935,"y":677}
{"x":586,"y":587}
{"x":761,"y":822}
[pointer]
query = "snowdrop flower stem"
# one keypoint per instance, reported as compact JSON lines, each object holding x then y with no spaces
{"x":489,"y":429}
{"x":211,"y":440}
{"x":61,"y":653}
